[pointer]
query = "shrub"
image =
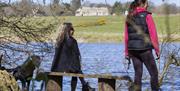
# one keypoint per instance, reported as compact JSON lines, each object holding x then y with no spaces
{"x":98,"y":22}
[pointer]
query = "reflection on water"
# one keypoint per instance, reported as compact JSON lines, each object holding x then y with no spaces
{"x":109,"y":58}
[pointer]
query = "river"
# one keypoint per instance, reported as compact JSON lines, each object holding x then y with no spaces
{"x":101,"y":58}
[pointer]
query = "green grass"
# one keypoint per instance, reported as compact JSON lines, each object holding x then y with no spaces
{"x":107,"y":28}
{"x":112,"y":31}
{"x":161,"y":24}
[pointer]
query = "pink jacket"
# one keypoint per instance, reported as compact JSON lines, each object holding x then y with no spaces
{"x":151,"y":28}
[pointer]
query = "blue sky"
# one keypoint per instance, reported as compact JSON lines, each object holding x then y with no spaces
{"x":157,"y":2}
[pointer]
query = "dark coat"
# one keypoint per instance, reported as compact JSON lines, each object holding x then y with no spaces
{"x":67,"y":57}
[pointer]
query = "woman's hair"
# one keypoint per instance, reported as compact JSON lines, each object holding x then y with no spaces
{"x":64,"y":31}
{"x":133,"y":5}
{"x":140,"y":2}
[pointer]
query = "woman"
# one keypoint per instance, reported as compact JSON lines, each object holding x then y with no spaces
{"x":140,"y":39}
{"x":67,"y":56}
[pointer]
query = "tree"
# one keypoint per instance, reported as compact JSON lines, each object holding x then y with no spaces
{"x":117,"y":8}
{"x":173,"y":8}
{"x":151,"y":6}
{"x":21,"y":31}
{"x":67,"y":9}
{"x":24,"y":7}
{"x":86,"y":3}
{"x":2,"y":4}
{"x":75,"y":4}
{"x":55,"y":2}
{"x":170,"y":8}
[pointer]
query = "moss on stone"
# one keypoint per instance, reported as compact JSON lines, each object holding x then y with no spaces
{"x":7,"y":82}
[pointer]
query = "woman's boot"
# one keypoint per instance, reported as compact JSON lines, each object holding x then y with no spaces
{"x":86,"y":87}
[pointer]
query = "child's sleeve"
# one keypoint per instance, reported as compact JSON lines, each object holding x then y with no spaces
{"x":153,"y":33}
{"x":76,"y":48}
{"x":126,"y":39}
{"x":69,"y":42}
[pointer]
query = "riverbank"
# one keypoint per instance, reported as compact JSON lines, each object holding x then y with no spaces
{"x":116,"y":38}
{"x":113,"y":28}
{"x":98,"y":29}
{"x":105,"y":29}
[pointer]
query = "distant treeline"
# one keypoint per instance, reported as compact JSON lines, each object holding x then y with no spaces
{"x":60,"y":8}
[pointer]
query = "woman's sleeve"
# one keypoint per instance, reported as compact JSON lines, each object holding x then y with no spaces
{"x":76,"y":48}
{"x":153,"y":33}
{"x":126,"y":39}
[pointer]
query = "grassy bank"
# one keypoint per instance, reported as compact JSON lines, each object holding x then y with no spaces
{"x":109,"y":28}
{"x":112,"y":30}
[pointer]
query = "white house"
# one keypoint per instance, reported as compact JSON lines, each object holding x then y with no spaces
{"x":92,"y":11}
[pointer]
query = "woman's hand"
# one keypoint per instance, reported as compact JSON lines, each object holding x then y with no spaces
{"x":158,"y":57}
{"x":129,"y":61}
{"x":127,"y":58}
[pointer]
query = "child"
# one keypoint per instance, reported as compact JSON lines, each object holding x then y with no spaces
{"x":67,"y":56}
{"x":140,"y":39}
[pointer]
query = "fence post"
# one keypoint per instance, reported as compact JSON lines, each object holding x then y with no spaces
{"x":54,"y":83}
{"x":106,"y":84}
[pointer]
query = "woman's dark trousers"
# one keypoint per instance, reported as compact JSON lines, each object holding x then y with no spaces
{"x":146,"y":57}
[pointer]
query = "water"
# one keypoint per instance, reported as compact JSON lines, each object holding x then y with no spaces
{"x":109,"y":58}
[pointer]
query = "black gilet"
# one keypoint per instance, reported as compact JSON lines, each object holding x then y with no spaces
{"x":138,"y":33}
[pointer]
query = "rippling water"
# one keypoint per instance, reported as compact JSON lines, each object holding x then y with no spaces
{"x":109,"y":58}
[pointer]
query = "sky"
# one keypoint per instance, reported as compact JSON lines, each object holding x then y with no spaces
{"x":111,"y":2}
{"x":157,"y":2}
